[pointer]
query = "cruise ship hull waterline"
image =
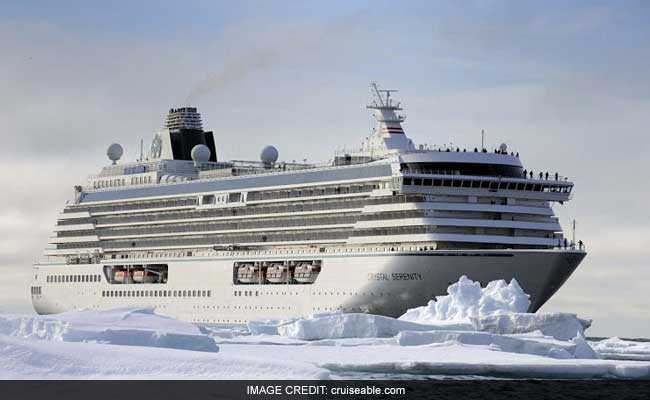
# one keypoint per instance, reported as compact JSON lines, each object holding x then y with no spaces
{"x":378,"y":230}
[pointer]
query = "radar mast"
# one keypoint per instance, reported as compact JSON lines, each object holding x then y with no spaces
{"x":388,"y":135}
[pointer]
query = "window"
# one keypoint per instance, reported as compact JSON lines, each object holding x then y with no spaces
{"x":208,"y":199}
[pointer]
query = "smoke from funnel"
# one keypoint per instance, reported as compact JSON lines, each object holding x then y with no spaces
{"x":286,"y":48}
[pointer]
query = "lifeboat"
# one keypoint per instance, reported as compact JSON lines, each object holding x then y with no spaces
{"x":248,"y":273}
{"x":306,"y":273}
{"x":142,"y":276}
{"x":122,"y":277}
{"x":277,"y":273}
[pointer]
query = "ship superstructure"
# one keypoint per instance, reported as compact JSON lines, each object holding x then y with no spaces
{"x":379,"y":230}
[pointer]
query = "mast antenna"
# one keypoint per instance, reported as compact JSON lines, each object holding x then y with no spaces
{"x":378,"y":94}
{"x":482,"y":139}
{"x":141,"y":145}
{"x":574,"y":232}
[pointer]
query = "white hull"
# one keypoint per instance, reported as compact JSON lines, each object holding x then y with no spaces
{"x":386,"y":283}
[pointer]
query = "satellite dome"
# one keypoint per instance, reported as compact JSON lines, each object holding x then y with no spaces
{"x":114,"y":152}
{"x":269,"y":156}
{"x":503,"y":148}
{"x":200,"y":153}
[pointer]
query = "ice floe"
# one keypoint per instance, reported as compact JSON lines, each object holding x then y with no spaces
{"x":561,"y":326}
{"x":340,"y":325}
{"x":448,"y":358}
{"x":127,"y":326}
{"x":618,"y":349}
{"x":43,"y":359}
{"x":540,"y":346}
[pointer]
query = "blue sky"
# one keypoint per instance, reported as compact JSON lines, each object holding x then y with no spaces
{"x":565,"y":83}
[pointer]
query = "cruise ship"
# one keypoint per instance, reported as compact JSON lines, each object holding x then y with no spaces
{"x":377,"y":230}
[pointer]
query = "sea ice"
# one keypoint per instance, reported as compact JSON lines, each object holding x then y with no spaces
{"x":448,"y":358}
{"x":126,"y":326}
{"x":506,"y":343}
{"x":339,"y":325}
{"x":41,"y":359}
{"x":618,"y":349}
{"x":467,"y":299}
{"x":561,"y":326}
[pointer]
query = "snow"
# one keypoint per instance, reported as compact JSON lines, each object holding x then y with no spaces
{"x":126,"y":326}
{"x":471,"y":331}
{"x":466,"y":299}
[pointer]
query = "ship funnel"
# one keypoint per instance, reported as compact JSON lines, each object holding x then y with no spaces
{"x":183,"y":118}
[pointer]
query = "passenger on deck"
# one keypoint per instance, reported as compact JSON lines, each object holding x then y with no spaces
{"x":525,"y":174}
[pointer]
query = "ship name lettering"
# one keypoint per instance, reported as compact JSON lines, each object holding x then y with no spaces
{"x":407,"y":276}
{"x":395,"y":276}
{"x":377,"y":276}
